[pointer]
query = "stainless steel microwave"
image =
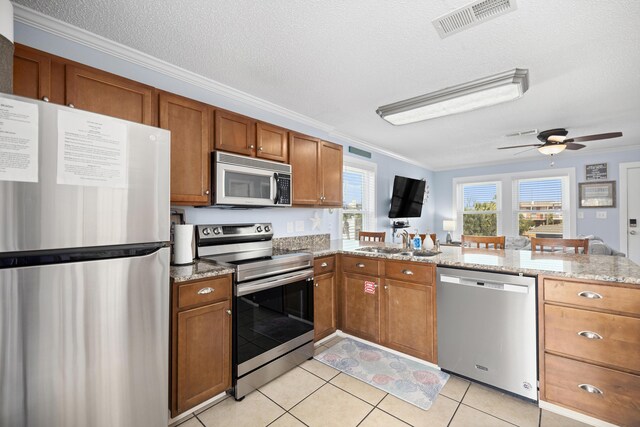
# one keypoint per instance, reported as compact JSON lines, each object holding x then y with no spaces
{"x":247,"y":181}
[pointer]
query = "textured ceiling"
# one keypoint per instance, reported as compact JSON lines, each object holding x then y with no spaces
{"x":337,"y":61}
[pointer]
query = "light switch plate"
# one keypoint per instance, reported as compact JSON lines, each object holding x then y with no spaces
{"x":601,"y":214}
{"x":300,"y":225}
{"x":289,"y":227}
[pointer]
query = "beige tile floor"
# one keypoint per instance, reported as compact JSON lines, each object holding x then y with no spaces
{"x":315,"y":394}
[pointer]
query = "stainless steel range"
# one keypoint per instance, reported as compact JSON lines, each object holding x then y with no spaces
{"x":272,"y":306}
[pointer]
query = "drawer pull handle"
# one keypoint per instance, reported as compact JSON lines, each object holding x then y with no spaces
{"x":407,"y":272}
{"x":590,"y":389}
{"x":229,"y":312}
{"x":590,"y":295}
{"x":316,"y":285}
{"x":360,"y":265}
{"x":324,"y":265}
{"x":590,"y":335}
{"x":205,"y":291}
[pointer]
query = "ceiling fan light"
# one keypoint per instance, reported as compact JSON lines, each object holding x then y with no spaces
{"x":480,"y":93}
{"x":552,"y":149}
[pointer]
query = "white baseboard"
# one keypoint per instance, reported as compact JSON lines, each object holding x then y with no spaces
{"x":574,"y":415}
{"x":196,"y":409}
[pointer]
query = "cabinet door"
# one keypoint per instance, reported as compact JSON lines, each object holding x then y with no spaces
{"x":190,"y":125}
{"x":324,"y":305}
{"x":31,"y":73}
{"x":304,"y":156}
{"x":105,"y":93}
{"x":272,"y":143}
{"x":408,"y":318}
{"x":235,"y":133}
{"x":203,"y":354}
{"x":331,"y":174}
{"x":361,"y":309}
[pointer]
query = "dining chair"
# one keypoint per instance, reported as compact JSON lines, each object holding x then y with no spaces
{"x":552,"y":243}
{"x":496,"y":241}
{"x":371,"y":236}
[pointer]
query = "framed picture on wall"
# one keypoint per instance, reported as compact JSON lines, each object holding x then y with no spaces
{"x":597,"y":194}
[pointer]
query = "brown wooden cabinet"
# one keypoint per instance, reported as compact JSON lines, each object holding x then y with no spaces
{"x":105,"y":93}
{"x":317,"y":171}
{"x":401,"y":314}
{"x":200,"y":341}
{"x":324,"y":297}
{"x":190,"y":123}
{"x":272,"y":142}
{"x":32,"y":73}
{"x":589,"y":335}
{"x":235,"y":133}
{"x":330,"y":181}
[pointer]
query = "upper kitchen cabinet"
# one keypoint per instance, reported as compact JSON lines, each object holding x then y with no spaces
{"x":272,"y":142}
{"x":190,"y":123}
{"x":317,"y":171}
{"x":304,"y":156}
{"x":331,"y":174}
{"x":38,"y":75}
{"x":235,"y":133}
{"x":105,"y":93}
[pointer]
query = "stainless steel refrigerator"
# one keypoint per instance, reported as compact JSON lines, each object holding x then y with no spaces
{"x":84,"y":268}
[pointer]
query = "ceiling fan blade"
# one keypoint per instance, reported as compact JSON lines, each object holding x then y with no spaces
{"x":519,"y":146}
{"x":574,"y":146}
{"x":594,"y":137}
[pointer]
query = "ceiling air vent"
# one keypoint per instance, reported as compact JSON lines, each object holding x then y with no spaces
{"x":471,"y":15}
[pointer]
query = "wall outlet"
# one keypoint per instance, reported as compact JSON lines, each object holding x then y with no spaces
{"x":290,"y":227}
{"x":580,"y":215}
{"x":601,"y":214}
{"x":300,"y":225}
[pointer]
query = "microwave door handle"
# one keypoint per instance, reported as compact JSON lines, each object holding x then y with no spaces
{"x":277,"y":183}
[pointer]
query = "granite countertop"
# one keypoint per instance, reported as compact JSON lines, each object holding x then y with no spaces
{"x":589,"y":267}
{"x":200,"y":269}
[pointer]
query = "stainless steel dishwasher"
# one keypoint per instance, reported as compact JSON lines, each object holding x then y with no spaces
{"x":487,"y":328}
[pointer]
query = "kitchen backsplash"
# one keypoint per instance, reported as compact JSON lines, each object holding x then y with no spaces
{"x":301,"y":242}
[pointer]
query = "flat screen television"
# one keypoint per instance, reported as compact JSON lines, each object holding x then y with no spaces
{"x":407,"y":197}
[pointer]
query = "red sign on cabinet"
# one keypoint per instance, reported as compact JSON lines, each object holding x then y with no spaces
{"x":369,"y":287}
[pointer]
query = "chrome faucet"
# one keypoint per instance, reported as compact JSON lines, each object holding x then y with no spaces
{"x":406,"y":240}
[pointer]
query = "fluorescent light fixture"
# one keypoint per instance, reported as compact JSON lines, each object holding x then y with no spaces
{"x":6,"y":20}
{"x":552,"y":149}
{"x":480,"y":93}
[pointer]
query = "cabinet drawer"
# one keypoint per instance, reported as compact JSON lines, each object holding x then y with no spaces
{"x":410,"y":272}
{"x":617,"y":342}
{"x":361,"y":265}
{"x":614,"y":298}
{"x":204,"y":291}
{"x":619,"y":402}
{"x":324,"y":265}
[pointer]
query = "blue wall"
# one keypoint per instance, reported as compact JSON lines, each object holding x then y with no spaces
{"x":608,"y":229}
{"x":387,"y":166}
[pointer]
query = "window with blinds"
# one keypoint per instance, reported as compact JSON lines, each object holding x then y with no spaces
{"x":540,"y":206}
{"x":479,"y":208}
{"x":358,"y":198}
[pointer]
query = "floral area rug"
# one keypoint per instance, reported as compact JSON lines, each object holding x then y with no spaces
{"x":409,"y":380}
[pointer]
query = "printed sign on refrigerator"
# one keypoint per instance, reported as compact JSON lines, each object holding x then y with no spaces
{"x":18,"y":141}
{"x":369,"y":287}
{"x":92,"y":150}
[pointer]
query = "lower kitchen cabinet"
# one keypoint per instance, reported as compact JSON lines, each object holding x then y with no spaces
{"x":408,"y":315}
{"x":400,"y":314}
{"x":200,"y":342}
{"x":589,"y":346}
{"x":324,"y":297}
{"x":361,"y":309}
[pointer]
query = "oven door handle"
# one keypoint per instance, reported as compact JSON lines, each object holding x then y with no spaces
{"x":261,"y":285}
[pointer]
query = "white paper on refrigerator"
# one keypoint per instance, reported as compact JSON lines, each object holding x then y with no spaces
{"x":18,"y":141}
{"x":92,"y":150}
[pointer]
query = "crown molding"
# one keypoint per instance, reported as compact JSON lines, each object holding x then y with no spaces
{"x":72,"y":33}
{"x":351,"y":140}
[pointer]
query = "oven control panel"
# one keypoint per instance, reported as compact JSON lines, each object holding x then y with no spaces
{"x":208,"y":234}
